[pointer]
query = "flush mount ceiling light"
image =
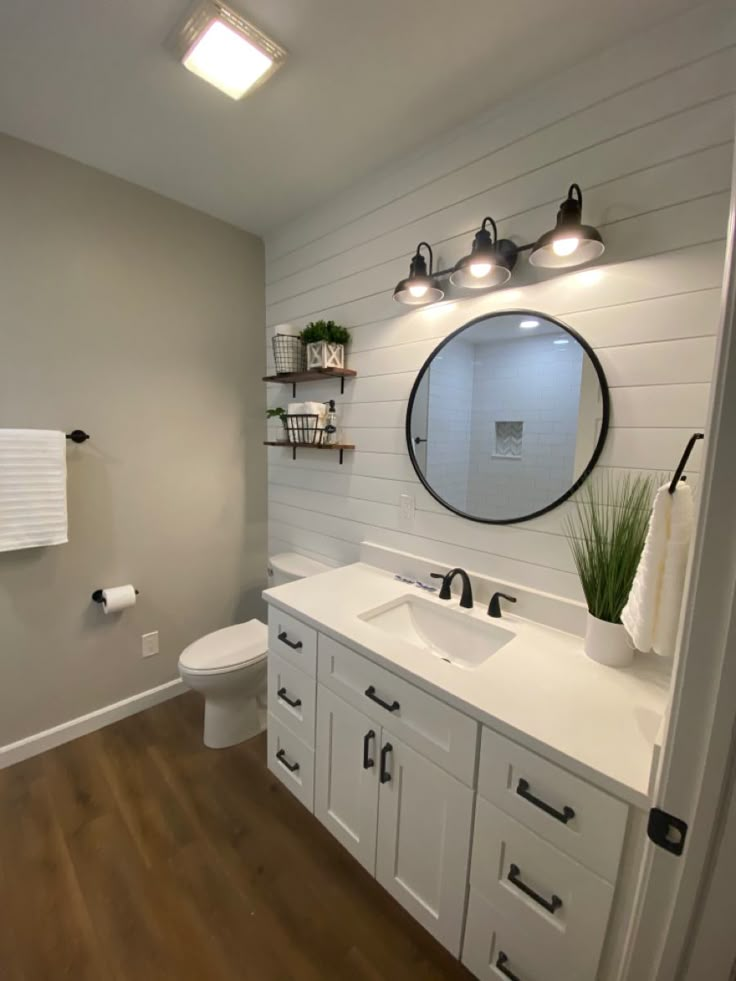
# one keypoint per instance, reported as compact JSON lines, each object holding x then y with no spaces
{"x":223,"y":48}
{"x":490,"y":262}
{"x":420,"y":286}
{"x":569,"y":243}
{"x":529,"y":324}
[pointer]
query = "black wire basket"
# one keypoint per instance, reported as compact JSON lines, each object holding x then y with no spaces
{"x":303,"y":427}
{"x":289,"y":354}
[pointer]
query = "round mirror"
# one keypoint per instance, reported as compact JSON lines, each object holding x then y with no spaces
{"x":507,"y":417}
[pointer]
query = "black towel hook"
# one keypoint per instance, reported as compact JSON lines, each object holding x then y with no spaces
{"x":683,"y":460}
{"x":78,"y":436}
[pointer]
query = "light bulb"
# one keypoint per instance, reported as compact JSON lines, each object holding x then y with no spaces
{"x":480,"y":269}
{"x":418,"y":289}
{"x":565,"y":246}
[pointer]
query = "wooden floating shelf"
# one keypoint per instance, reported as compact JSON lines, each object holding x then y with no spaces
{"x":310,"y":446}
{"x":320,"y":374}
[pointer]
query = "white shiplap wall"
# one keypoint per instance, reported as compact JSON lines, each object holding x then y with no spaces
{"x":647,"y":130}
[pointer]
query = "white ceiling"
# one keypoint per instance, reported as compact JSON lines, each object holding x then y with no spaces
{"x":366,"y":81}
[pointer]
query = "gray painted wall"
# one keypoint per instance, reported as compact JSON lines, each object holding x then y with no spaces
{"x":141,"y":321}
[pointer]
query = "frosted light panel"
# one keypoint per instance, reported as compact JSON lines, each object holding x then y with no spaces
{"x":227,"y":60}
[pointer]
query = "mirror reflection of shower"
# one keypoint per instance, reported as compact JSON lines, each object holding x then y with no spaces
{"x":506,"y":417}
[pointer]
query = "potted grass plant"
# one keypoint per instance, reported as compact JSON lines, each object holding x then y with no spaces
{"x":606,"y":531}
{"x":325,"y":342}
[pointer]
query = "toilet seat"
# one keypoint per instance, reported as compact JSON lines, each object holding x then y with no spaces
{"x":227,"y":649}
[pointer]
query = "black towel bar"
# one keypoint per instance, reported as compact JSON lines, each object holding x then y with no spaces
{"x":78,"y":436}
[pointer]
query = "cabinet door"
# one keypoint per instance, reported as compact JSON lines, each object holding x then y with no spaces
{"x":424,"y":824}
{"x":346,"y":783}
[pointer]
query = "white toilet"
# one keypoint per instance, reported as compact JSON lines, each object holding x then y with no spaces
{"x":229,"y":666}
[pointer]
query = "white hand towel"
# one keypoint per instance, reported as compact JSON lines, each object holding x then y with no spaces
{"x":32,"y":488}
{"x":652,"y":612}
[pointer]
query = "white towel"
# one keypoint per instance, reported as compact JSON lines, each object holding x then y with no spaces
{"x":32,"y":488}
{"x":652,"y":613}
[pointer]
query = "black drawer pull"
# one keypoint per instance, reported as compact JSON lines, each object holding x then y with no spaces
{"x":295,"y":645}
{"x":551,"y":905}
{"x":565,"y":815}
{"x":368,"y":761}
{"x":370,"y":692}
{"x":385,"y":775}
{"x":295,"y":702}
{"x":501,"y":962}
{"x":281,"y":757}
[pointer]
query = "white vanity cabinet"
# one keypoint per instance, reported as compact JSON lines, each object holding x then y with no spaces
{"x":509,"y":860}
{"x":404,"y":819}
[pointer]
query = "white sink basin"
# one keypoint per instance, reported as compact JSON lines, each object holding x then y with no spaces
{"x":451,"y":634}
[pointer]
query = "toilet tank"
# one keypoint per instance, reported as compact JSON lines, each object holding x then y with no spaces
{"x":289,"y":566}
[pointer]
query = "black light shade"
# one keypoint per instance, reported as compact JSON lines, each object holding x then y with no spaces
{"x":420,"y":286}
{"x":569,"y":243}
{"x":487,"y":265}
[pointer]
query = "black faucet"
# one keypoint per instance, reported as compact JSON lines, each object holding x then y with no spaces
{"x":466,"y":600}
{"x":494,"y":607}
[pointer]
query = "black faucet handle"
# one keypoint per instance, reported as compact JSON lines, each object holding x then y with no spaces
{"x":494,"y":607}
{"x":445,"y":588}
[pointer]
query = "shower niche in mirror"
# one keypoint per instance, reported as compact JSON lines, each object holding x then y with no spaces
{"x":507,"y":417}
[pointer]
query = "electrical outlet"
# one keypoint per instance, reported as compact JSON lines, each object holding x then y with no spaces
{"x":149,"y":644}
{"x":406,"y":510}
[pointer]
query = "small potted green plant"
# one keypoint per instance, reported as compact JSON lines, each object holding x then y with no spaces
{"x":277,"y":413}
{"x":325,"y":342}
{"x":606,"y":531}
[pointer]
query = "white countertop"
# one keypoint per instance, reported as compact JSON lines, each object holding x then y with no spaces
{"x":539,"y":689}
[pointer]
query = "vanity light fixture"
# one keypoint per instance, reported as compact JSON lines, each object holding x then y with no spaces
{"x":488,"y":264}
{"x":491,"y":260}
{"x":529,"y":324}
{"x":569,"y":243}
{"x":220,"y":46}
{"x":420,"y":286}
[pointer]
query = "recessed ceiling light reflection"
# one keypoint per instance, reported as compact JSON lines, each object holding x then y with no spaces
{"x":528,"y":324}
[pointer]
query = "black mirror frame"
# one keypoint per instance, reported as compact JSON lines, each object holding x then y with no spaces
{"x":596,"y":452}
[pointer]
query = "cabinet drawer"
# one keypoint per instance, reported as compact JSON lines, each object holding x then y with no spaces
{"x":559,"y":905}
{"x":496,"y":949}
{"x":583,"y":821}
{"x":291,"y":761}
{"x":432,"y":728}
{"x":292,"y":697}
{"x":292,"y":640}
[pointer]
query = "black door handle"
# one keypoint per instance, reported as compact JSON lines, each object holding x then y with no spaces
{"x":385,"y":775}
{"x":551,"y":905}
{"x":295,"y":645}
{"x":501,"y":962}
{"x":295,"y":703}
{"x":368,"y":761}
{"x":418,"y":440}
{"x":281,"y":757}
{"x":370,"y":692}
{"x":565,"y":815}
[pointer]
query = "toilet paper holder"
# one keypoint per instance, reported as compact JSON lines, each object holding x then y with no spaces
{"x":98,"y":598}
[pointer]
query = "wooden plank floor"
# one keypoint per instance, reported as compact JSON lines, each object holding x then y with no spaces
{"x":136,"y":854}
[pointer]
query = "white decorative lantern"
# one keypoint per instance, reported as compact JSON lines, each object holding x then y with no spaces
{"x":325,"y":354}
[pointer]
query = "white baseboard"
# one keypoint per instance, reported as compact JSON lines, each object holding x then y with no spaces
{"x":64,"y":733}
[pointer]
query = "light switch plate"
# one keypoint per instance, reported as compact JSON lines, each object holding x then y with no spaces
{"x":149,"y":644}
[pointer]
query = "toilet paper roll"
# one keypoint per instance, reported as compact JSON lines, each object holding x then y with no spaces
{"x":116,"y":598}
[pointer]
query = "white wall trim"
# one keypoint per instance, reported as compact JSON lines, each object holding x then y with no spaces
{"x":23,"y":749}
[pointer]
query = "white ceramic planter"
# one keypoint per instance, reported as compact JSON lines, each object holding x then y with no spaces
{"x":608,"y":643}
{"x":324,"y":354}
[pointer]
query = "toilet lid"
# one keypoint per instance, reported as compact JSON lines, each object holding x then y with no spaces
{"x":231,"y":647}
